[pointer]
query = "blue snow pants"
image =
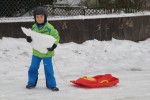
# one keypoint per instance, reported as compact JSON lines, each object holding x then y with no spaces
{"x":48,"y":69}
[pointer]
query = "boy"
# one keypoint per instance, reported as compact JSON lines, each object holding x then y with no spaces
{"x":42,"y":26}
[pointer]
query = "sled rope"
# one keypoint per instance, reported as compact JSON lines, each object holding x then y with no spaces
{"x":60,"y":75}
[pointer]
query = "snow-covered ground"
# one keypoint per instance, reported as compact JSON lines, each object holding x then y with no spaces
{"x":127,"y":60}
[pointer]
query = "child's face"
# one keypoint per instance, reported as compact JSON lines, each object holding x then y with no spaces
{"x":40,"y":19}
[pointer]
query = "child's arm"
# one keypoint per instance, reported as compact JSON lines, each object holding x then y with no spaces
{"x":55,"y":34}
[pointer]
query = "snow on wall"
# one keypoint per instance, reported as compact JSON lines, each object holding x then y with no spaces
{"x":30,"y":19}
{"x":70,"y":2}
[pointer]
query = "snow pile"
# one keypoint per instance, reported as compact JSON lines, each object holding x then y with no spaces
{"x":39,"y":42}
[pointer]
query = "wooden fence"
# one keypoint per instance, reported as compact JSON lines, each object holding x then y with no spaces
{"x":78,"y":30}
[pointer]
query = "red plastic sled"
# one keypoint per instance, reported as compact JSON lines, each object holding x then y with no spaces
{"x":98,"y":81}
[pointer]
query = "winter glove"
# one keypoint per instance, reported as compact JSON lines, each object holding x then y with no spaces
{"x":29,"y":39}
{"x":52,"y":48}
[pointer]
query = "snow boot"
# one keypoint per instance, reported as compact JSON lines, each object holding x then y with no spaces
{"x":54,"y":89}
{"x":30,"y":87}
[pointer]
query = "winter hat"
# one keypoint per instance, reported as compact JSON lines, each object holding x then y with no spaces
{"x":40,"y":11}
